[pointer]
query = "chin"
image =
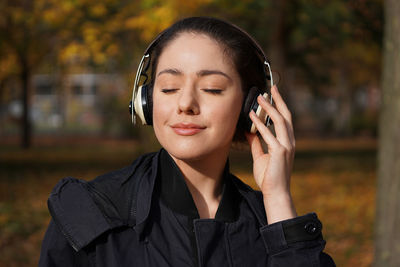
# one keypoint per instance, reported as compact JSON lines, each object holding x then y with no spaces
{"x":192,"y":151}
{"x":185,"y":151}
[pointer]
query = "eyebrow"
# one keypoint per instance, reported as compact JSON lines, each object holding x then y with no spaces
{"x":200,"y":73}
{"x":170,"y":71}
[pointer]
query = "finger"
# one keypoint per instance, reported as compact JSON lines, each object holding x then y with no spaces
{"x":266,"y":134}
{"x":279,"y":122}
{"x":255,"y":145}
{"x":280,"y":103}
{"x":284,"y":110}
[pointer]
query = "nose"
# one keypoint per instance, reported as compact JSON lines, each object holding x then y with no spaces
{"x":188,"y":102}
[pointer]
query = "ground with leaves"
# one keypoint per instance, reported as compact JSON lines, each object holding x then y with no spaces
{"x":334,"y":178}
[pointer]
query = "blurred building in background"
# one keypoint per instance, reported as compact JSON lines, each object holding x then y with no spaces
{"x":68,"y":104}
{"x":319,"y":115}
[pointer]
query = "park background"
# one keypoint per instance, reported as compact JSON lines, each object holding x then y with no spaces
{"x":66,"y":72}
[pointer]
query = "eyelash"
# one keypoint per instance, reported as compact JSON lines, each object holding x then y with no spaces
{"x":213,"y":91}
{"x":166,"y":91}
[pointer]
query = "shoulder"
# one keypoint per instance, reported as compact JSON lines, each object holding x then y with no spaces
{"x":111,"y":186}
{"x":84,"y":210}
{"x":111,"y":181}
{"x":121,"y":176}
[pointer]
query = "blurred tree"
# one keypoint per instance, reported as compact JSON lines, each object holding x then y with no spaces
{"x":71,"y":34}
{"x":329,"y":43}
{"x":113,"y":33}
{"x":29,"y":32}
{"x":387,"y":235}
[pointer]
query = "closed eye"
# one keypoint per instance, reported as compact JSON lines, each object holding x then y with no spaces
{"x":213,"y":91}
{"x":167,"y":91}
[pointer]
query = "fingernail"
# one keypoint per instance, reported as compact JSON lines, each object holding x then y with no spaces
{"x":263,"y":99}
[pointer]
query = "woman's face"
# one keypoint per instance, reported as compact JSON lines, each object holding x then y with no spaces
{"x":197,"y":97}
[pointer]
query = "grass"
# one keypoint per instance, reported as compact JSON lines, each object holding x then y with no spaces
{"x":334,"y":178}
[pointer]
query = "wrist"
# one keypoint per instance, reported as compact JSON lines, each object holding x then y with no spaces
{"x":277,"y":193}
{"x":279,"y":207}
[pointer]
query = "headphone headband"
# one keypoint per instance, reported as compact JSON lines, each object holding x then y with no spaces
{"x":147,"y":55}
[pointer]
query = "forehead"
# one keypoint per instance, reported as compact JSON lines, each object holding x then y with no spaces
{"x":195,"y":50}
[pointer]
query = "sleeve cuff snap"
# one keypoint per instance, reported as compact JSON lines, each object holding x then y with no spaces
{"x":278,"y":236}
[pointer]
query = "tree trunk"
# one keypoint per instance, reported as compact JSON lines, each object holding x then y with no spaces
{"x":26,"y":122}
{"x":387,"y":234}
{"x":277,"y":49}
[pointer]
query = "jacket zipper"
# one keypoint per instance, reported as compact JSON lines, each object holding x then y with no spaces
{"x":194,"y":247}
{"x":133,"y":206}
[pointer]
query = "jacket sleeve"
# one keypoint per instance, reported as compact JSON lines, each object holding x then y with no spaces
{"x":56,"y":251}
{"x":296,"y":242}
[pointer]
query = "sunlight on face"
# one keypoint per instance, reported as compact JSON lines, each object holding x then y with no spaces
{"x":197,"y":97}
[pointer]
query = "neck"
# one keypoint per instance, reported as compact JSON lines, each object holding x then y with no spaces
{"x":204,"y":180}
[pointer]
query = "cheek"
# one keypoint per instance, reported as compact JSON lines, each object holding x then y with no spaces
{"x":227,"y":115}
{"x":160,"y":107}
{"x":160,"y":113}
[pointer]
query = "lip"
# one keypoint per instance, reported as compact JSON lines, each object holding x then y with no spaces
{"x":187,"y":129}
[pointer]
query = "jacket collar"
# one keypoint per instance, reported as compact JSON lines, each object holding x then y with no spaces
{"x":146,"y":186}
{"x":175,"y":193}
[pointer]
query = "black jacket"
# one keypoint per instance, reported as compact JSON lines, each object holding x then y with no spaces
{"x":118,"y":219}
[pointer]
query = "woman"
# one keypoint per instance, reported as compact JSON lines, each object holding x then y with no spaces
{"x":181,"y":206}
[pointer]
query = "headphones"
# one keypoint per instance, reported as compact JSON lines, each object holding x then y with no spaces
{"x":141,"y":103}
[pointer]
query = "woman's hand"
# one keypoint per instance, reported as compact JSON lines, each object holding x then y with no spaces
{"x":272,"y":170}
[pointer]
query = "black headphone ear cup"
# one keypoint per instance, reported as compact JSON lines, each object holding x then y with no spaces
{"x":147,"y":103}
{"x":149,"y":112}
{"x":249,"y":104}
